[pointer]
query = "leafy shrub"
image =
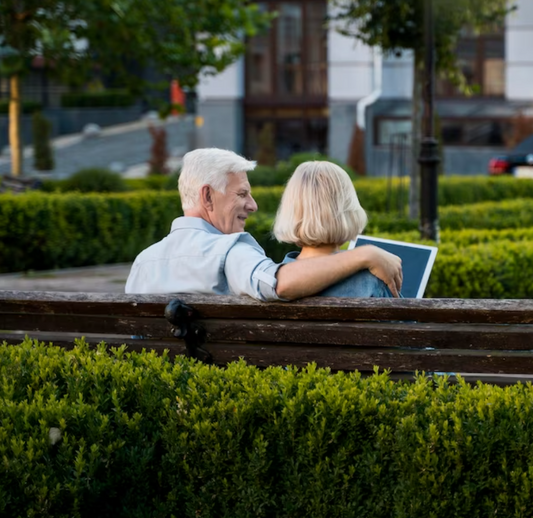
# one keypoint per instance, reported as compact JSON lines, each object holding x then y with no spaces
{"x":43,"y":156}
{"x":488,"y":215}
{"x":154,"y":182}
{"x":95,"y":180}
{"x":151,"y":182}
{"x":466,"y":237}
{"x":488,"y":271}
{"x":27,"y":107}
{"x":299,"y":158}
{"x":103,"y":99}
{"x":136,"y":435}
{"x":158,"y":151}
{"x":266,"y":153}
{"x":265,"y":176}
{"x":375,"y":194}
{"x":41,"y":231}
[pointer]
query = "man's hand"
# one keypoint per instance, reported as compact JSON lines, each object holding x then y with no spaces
{"x":387,"y":267}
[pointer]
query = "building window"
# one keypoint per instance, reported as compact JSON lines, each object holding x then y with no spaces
{"x":290,"y":61}
{"x":454,"y":131}
{"x":482,"y":62}
{"x":286,"y":80}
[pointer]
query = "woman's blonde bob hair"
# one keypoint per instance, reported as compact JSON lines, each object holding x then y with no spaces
{"x":319,"y":207}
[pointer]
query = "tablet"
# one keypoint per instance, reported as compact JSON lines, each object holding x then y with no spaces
{"x":417,"y":262}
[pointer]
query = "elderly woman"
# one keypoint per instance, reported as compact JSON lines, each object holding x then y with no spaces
{"x":319,"y":211}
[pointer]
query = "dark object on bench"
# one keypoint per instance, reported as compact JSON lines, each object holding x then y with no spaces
{"x":17,"y":184}
{"x":490,"y":339}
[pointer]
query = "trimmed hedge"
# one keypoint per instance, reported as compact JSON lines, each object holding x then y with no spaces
{"x":95,"y":179}
{"x":27,"y":107}
{"x":508,"y":214}
{"x":372,"y":192}
{"x":153,"y":182}
{"x":466,"y":237}
{"x":108,"y":434}
{"x":497,"y":270}
{"x":43,"y":231}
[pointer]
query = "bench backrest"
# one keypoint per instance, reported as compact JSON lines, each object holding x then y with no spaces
{"x":485,"y":337}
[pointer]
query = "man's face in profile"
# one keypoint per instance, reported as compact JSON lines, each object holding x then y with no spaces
{"x":231,"y":209}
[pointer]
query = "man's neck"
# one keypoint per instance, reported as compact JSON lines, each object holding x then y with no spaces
{"x":317,"y":251}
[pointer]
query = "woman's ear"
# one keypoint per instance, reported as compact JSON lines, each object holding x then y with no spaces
{"x":206,"y":197}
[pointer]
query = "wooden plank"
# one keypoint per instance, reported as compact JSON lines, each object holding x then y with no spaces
{"x":312,"y":308}
{"x":148,"y":327}
{"x":383,"y":334}
{"x":364,"y":359}
{"x":487,"y":365}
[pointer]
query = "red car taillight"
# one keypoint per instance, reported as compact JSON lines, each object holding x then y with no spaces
{"x":498,"y":166}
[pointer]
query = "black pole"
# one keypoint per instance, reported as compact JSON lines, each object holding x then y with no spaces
{"x":429,"y":156}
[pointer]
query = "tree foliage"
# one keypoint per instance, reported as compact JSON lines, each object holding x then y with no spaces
{"x":76,"y":38}
{"x":398,"y":25}
{"x":176,"y":37}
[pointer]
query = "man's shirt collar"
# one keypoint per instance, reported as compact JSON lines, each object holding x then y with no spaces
{"x":194,"y":223}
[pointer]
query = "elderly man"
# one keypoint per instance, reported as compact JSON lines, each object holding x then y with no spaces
{"x":208,"y":251}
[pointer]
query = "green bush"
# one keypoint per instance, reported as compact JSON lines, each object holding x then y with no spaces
{"x":157,"y":182}
{"x":94,"y":180}
{"x":265,"y":176}
{"x":374,"y":193}
{"x":40,"y":231}
{"x":488,"y":271}
{"x":466,"y":237}
{"x":108,"y":434}
{"x":152,"y":182}
{"x":27,"y":107}
{"x":103,"y":99}
{"x":43,"y":156}
{"x":508,"y":214}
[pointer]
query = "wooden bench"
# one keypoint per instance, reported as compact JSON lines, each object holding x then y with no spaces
{"x":485,"y":339}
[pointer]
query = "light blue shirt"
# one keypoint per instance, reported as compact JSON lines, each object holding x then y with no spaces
{"x":360,"y":284}
{"x":197,"y":258}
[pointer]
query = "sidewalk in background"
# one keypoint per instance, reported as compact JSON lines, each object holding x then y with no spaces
{"x":124,"y":148}
{"x":108,"y":278}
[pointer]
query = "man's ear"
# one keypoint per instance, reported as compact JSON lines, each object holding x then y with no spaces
{"x":206,"y":197}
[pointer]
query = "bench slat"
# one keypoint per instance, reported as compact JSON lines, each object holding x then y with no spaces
{"x":312,"y":308}
{"x":334,"y":357}
{"x":364,"y":359}
{"x":382,"y":334}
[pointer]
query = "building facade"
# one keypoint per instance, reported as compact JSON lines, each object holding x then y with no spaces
{"x":311,"y":86}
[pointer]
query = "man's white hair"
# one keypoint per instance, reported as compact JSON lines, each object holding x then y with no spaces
{"x":208,"y":166}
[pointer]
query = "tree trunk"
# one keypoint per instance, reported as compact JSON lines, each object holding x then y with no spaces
{"x":14,"y":126}
{"x":416,"y":137}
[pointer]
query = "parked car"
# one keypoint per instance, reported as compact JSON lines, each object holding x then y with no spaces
{"x":518,"y":159}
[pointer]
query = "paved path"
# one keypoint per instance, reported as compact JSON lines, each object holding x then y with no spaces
{"x":124,"y":144}
{"x":110,"y":278}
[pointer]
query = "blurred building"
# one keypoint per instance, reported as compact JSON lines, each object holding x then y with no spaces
{"x":313,"y":85}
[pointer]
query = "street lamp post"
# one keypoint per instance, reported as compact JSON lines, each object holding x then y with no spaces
{"x":429,"y":156}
